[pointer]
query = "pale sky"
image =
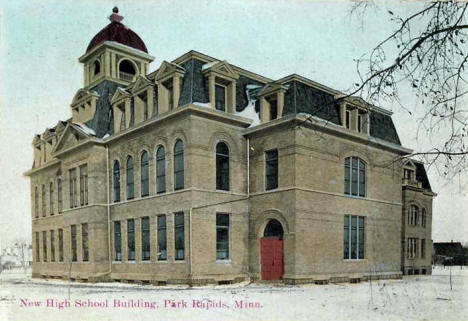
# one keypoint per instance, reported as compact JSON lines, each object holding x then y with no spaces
{"x":41,"y":41}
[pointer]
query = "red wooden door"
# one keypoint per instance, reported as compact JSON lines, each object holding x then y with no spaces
{"x":271,"y":251}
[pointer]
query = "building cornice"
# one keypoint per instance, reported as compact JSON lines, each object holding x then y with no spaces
{"x":191,"y":108}
{"x":118,"y":46}
{"x":42,"y":167}
{"x":328,"y":127}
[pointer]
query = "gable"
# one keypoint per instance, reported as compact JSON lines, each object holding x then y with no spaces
{"x":222,"y":68}
{"x":82,"y":95}
{"x":70,"y":137}
{"x":139,"y":84}
{"x":167,"y":69}
{"x":119,"y":95}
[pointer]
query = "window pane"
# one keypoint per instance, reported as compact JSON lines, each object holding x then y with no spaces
{"x":84,"y":242}
{"x":144,"y":174}
{"x":179,"y":236}
{"x":131,"y":240}
{"x":130,"y":178}
{"x":271,"y":169}
{"x":160,"y":170}
{"x":353,"y":237}
{"x":116,"y":181}
{"x":220,"y":97}
{"x":222,"y":167}
{"x":222,"y":236}
{"x":117,"y":242}
{"x":145,"y":239}
{"x":162,"y":238}
{"x":178,"y":165}
{"x":361,"y":237}
{"x":347,"y":180}
{"x":346,"y":238}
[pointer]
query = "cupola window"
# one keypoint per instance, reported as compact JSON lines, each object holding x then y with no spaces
{"x":96,"y":67}
{"x":126,"y":70}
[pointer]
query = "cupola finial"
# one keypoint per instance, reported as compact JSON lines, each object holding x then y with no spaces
{"x":115,"y":15}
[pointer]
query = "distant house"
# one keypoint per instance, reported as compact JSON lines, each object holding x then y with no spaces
{"x":450,"y":253}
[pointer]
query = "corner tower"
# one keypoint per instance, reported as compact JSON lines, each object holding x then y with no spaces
{"x":115,"y":53}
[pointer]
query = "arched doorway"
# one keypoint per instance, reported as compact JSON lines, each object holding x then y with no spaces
{"x":271,"y":251}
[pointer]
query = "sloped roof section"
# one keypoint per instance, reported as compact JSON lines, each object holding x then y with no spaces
{"x":421,"y":176}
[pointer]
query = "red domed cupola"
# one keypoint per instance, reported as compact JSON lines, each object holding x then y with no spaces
{"x":117,"y":32}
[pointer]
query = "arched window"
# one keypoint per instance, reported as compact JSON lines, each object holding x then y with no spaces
{"x":130,"y":185}
{"x":178,"y":165}
{"x":222,"y":166}
{"x":116,"y":180}
{"x":355,"y":177}
{"x":96,"y":67}
{"x":144,"y":174}
{"x":126,"y":70}
{"x":160,"y":170}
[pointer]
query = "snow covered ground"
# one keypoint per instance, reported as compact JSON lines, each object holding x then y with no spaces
{"x":412,"y":298}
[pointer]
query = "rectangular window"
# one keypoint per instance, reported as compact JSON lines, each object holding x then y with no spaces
{"x":117,"y":242}
{"x":60,"y":236}
{"x":36,"y":202}
{"x":84,"y":185}
{"x":51,"y":198}
{"x":44,"y":246}
{"x":271,"y":169}
{"x":59,"y":195}
{"x":348,"y":119}
{"x":73,"y":243}
{"x":179,"y":240}
{"x":423,"y":248}
{"x":84,"y":242}
{"x":273,"y":108}
{"x":353,"y":237}
{"x":411,"y":248}
{"x":359,"y":123}
{"x":132,"y":112}
{"x":162,"y":238}
{"x":43,"y":200}
{"x":145,"y":239}
{"x":52,"y":245}
{"x":131,"y":240}
{"x":222,"y":236}
{"x":73,"y":191}
{"x":220,"y":97}
{"x":38,"y":247}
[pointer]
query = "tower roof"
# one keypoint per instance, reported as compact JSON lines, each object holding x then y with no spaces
{"x":116,"y":31}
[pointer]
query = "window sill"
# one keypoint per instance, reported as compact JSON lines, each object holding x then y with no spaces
{"x":179,"y":261}
{"x":355,"y":197}
{"x":354,"y":260}
{"x":227,"y":262}
{"x":116,"y":262}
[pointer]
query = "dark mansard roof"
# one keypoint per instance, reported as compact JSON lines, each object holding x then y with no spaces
{"x":300,"y":97}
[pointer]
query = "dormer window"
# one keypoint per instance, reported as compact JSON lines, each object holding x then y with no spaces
{"x":356,"y":119}
{"x":220,"y":97}
{"x":143,"y":102}
{"x":221,"y":85}
{"x":409,"y":174}
{"x":271,"y":101}
{"x":168,"y":85}
{"x":121,"y":107}
{"x":348,"y":119}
